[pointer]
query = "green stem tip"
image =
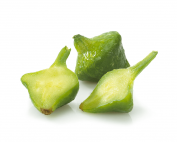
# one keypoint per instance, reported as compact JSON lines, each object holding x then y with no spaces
{"x":62,"y":57}
{"x":81,"y":43}
{"x":137,"y":69}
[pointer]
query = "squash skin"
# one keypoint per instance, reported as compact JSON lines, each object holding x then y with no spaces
{"x":98,"y":55}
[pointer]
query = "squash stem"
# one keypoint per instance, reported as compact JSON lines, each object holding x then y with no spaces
{"x":62,"y":57}
{"x":81,"y":43}
{"x":137,"y":69}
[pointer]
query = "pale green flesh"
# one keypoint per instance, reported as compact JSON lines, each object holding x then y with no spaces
{"x":46,"y":86}
{"x":114,"y":86}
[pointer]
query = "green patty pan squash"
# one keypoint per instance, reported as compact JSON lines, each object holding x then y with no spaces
{"x":54,"y":87}
{"x":98,"y":55}
{"x":114,"y":91}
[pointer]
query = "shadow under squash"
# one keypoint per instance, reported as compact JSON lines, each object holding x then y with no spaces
{"x":58,"y":113}
{"x":112,"y":117}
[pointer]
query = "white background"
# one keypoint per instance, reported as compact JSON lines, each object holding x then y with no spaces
{"x":32,"y":32}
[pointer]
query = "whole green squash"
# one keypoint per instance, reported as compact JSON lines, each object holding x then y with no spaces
{"x":98,"y":55}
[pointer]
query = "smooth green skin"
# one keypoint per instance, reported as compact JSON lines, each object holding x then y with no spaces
{"x":98,"y":55}
{"x":62,"y":98}
{"x":94,"y":104}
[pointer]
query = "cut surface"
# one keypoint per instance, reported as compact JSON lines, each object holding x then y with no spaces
{"x":112,"y":87}
{"x":46,"y":86}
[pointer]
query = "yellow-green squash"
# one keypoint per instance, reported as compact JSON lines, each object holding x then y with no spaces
{"x":114,"y":91}
{"x":54,"y":87}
